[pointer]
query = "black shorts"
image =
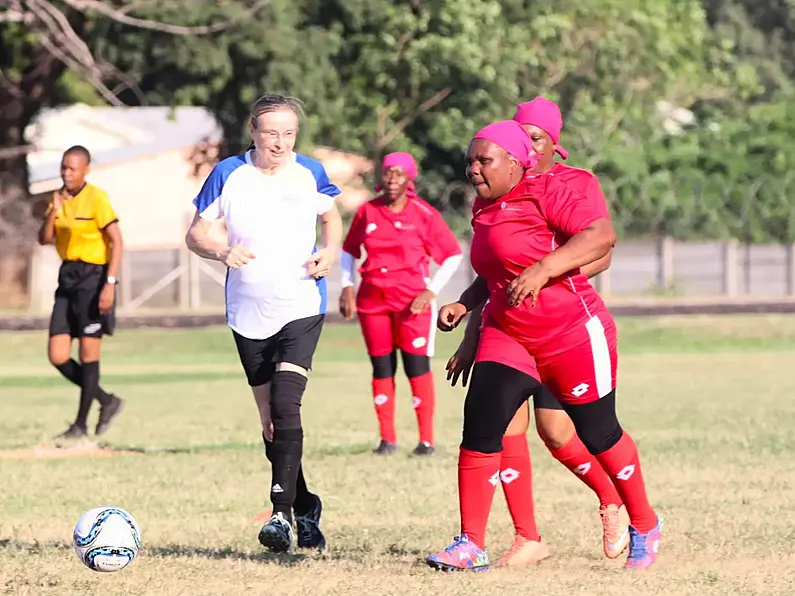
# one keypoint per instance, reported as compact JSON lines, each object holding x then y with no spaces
{"x":76,"y":309}
{"x":294,"y":343}
{"x":543,"y":399}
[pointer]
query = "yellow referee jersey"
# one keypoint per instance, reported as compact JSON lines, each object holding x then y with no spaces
{"x":80,"y":225}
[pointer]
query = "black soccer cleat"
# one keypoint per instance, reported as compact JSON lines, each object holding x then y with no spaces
{"x":385,"y":448}
{"x":424,"y":449}
{"x":75,"y":431}
{"x":308,"y":524}
{"x":277,"y":534}
{"x":108,"y":413}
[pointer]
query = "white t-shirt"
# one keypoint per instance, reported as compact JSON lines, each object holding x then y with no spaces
{"x":275,"y":218}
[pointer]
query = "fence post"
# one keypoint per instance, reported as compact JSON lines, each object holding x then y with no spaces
{"x":791,"y":269}
{"x":604,"y":283}
{"x":665,"y":255}
{"x":195,"y":281}
{"x":184,"y":279}
{"x":125,"y":279}
{"x":731,"y":267}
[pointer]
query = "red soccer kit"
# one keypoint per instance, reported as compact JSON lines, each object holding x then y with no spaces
{"x":399,"y":248}
{"x":569,"y":332}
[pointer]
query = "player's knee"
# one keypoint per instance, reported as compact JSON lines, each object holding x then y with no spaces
{"x":481,"y":438}
{"x":384,"y":367}
{"x":287,"y":390}
{"x":597,"y":424}
{"x":554,"y":427}
{"x":415,"y":365}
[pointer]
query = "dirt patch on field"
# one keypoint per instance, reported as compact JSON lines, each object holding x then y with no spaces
{"x":53,"y":451}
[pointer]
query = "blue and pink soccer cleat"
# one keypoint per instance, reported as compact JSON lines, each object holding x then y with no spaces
{"x":461,"y":555}
{"x":643,"y":548}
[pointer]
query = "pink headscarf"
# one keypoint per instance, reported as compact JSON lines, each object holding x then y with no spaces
{"x":405,"y":161}
{"x":545,"y":114}
{"x":509,"y":135}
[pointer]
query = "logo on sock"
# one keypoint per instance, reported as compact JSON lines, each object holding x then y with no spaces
{"x":277,"y":489}
{"x":626,"y":472}
{"x":381,"y":399}
{"x":495,"y":478}
{"x":583,"y":469}
{"x":415,"y":402}
{"x":509,"y":475}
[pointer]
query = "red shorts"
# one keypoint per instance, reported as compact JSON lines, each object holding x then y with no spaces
{"x":497,"y":346}
{"x":585,"y":371}
{"x":385,"y":331}
{"x":582,"y":371}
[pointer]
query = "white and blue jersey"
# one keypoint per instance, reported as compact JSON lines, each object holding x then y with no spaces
{"x":274,"y":217}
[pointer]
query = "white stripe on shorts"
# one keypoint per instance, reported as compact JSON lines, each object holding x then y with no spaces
{"x":603,"y":368}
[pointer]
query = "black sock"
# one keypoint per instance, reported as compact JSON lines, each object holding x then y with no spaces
{"x":72,"y":371}
{"x":88,"y":390}
{"x":285,"y":455}
{"x":304,"y":502}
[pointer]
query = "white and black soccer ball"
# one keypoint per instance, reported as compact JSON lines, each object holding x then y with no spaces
{"x":106,"y":539}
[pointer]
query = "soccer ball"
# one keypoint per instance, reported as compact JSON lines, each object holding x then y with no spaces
{"x":106,"y":539}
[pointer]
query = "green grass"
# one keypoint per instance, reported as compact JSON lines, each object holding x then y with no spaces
{"x":708,"y":400}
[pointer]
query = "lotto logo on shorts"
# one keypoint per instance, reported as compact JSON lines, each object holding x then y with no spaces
{"x":580,"y":389}
{"x":92,"y":328}
{"x":381,"y":399}
{"x":419,"y":342}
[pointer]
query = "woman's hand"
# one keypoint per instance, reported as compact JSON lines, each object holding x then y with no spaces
{"x":529,"y":283}
{"x":348,"y":303}
{"x":450,"y":315}
{"x":422,"y":302}
{"x":106,"y":298}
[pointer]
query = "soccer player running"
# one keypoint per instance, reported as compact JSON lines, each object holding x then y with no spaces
{"x":270,"y":199}
{"x":82,"y":224}
{"x":535,"y":232}
{"x":542,"y":120}
{"x":396,"y":303}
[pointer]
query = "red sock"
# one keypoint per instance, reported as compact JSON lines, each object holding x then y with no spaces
{"x":576,"y":457}
{"x":424,"y":401}
{"x":384,"y":399}
{"x":516,"y":474}
{"x":622,"y":463}
{"x":478,"y":475}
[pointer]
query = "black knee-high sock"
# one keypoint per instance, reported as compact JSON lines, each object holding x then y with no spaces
{"x":88,"y":391}
{"x":303,"y":498}
{"x":286,"y":450}
{"x":72,"y":371}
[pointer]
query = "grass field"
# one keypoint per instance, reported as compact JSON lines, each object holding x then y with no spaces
{"x":708,"y":400}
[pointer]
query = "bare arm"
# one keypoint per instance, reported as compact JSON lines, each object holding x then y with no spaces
{"x":472,"y":331}
{"x":593,"y":269}
{"x":201,"y":242}
{"x":331,"y":229}
{"x":47,"y":229}
{"x":588,"y":246}
{"x":116,"y":248}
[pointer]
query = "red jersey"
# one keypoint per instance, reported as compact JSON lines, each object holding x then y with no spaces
{"x":510,"y":234}
{"x":399,"y":248}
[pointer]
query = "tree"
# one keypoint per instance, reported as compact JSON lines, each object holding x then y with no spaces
{"x":40,"y":39}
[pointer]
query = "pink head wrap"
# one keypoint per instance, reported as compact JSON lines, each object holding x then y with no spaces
{"x":545,"y":114}
{"x":407,"y":163}
{"x":509,"y":135}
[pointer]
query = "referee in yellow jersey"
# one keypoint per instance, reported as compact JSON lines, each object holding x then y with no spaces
{"x":85,"y":230}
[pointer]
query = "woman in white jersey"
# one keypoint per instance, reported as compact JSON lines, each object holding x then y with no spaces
{"x":270,"y":199}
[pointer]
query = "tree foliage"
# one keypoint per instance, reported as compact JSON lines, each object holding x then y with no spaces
{"x":422,"y":76}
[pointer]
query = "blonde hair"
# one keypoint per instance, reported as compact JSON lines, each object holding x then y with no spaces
{"x":272,"y":102}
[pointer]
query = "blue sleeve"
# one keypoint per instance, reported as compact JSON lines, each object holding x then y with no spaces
{"x":207,"y":202}
{"x":324,"y":185}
